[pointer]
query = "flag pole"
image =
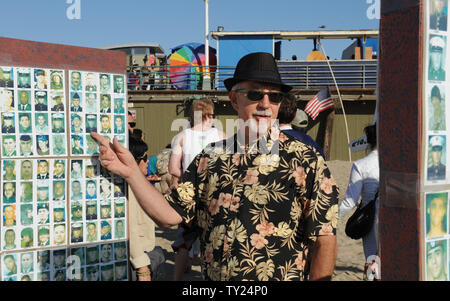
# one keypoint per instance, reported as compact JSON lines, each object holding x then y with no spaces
{"x":340,"y":98}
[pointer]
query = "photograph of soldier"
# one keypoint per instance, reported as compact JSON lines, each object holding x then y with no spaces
{"x":436,"y":69}
{"x":76,"y":169}
{"x":26,"y":145}
{"x":43,"y":170}
{"x":105,"y":189}
{"x":9,"y":241}
{"x":43,"y":260}
{"x":9,"y":192}
{"x":43,"y":216}
{"x":43,"y":276}
{"x":120,"y":250}
{"x":42,"y":145}
{"x":56,"y":80}
{"x":436,"y":214}
{"x":119,"y":188}
{"x":23,"y":78}
{"x":42,"y":123}
{"x":105,"y":209}
{"x":76,"y":232}
{"x":59,"y":169}
{"x":75,"y":81}
{"x":436,"y":167}
{"x":58,"y":123}
{"x":91,"y":232}
{"x":76,"y":191}
{"x":40,"y":79}
{"x":91,"y":210}
{"x":59,"y":145}
{"x":106,"y":253}
{"x":59,"y":190}
{"x":105,"y":103}
{"x":107,"y":272}
{"x":91,"y":123}
{"x":59,"y":259}
{"x":25,"y":123}
{"x":26,"y":170}
{"x":9,"y":146}
{"x":24,"y":100}
{"x":9,"y":170}
{"x":119,"y":229}
{"x":43,"y":236}
{"x":92,"y":146}
{"x":9,"y":265}
{"x":91,"y":103}
{"x":92,"y":254}
{"x":59,"y":233}
{"x":42,"y":193}
{"x":58,"y":104}
{"x":76,"y":123}
{"x":59,"y":212}
{"x":9,"y":215}
{"x":76,"y":211}
{"x":120,"y":271}
{"x":6,"y":100}
{"x":26,"y":192}
{"x":92,"y":273}
{"x":119,"y":208}
{"x":105,"y":83}
{"x":26,"y":214}
{"x":26,"y":263}
{"x":105,"y":124}
{"x":6,"y":77}
{"x":119,"y":125}
{"x":105,"y":230}
{"x":77,"y":145}
{"x":90,"y":82}
{"x":119,"y":106}
{"x":59,"y":275}
{"x":8,"y":123}
{"x":91,"y":189}
{"x":437,"y":261}
{"x":438,"y":15}
{"x":26,"y":238}
{"x":119,"y":84}
{"x":40,"y":101}
{"x":80,"y":253}
{"x":75,"y":102}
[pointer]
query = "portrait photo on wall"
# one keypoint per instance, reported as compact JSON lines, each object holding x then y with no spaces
{"x":436,"y":213}
{"x":436,"y":161}
{"x":437,"y":58}
{"x":6,"y":77}
{"x":438,"y":14}
{"x":436,"y":261}
{"x":23,"y":78}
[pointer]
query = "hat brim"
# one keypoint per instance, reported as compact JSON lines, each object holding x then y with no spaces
{"x":230,"y":82}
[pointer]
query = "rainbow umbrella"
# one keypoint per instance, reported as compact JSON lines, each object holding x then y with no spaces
{"x":200,"y":58}
{"x":183,"y":72}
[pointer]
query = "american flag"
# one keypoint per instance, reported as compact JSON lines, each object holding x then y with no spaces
{"x":319,"y":103}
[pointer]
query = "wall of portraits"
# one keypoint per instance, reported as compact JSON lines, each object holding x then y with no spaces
{"x":61,"y":212}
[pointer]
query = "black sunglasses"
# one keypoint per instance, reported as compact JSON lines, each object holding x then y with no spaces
{"x":132,"y":124}
{"x":257,"y":95}
{"x":143,"y":158}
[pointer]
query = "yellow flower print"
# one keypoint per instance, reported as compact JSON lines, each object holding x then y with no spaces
{"x":256,"y":194}
{"x":186,"y":191}
{"x":266,"y":163}
{"x":216,"y":236}
{"x":282,"y":230}
{"x":264,"y":270}
{"x":332,"y":215}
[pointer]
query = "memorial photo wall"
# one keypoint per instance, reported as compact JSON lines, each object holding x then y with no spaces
{"x":55,"y":196}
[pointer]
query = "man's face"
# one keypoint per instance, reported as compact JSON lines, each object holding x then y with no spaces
{"x":76,"y":79}
{"x":104,"y":81}
{"x":90,"y":172}
{"x":437,"y":211}
{"x":9,"y":170}
{"x":24,"y":122}
{"x":24,"y":79}
{"x":24,"y":97}
{"x":90,"y":99}
{"x":59,"y":189}
{"x":27,"y":261}
{"x":105,"y":103}
{"x":436,"y":156}
{"x":76,"y":233}
{"x":91,"y":210}
{"x":436,"y":262}
{"x":26,"y":170}
{"x":25,"y":146}
{"x":40,"y":78}
{"x":77,"y":212}
{"x":119,"y":122}
{"x":27,"y":189}
{"x":91,"y":189}
{"x":120,"y":252}
{"x":43,"y":237}
{"x":43,"y":257}
{"x":42,"y":194}
{"x":76,"y":102}
{"x":119,"y":210}
{"x":10,"y":263}
{"x":9,"y":145}
{"x":43,"y":167}
{"x":105,"y":123}
{"x":59,"y":168}
{"x":8,"y":190}
{"x":76,"y":188}
{"x":57,"y":123}
{"x":59,"y":259}
{"x":40,"y":99}
{"x":119,"y":228}
{"x":93,"y":274}
{"x":106,"y":252}
{"x":120,"y":271}
{"x":76,"y":167}
{"x":9,"y":237}
{"x":41,"y":120}
{"x":76,"y":122}
{"x":59,"y":142}
{"x":43,"y":144}
{"x":9,"y":212}
{"x":106,"y":211}
{"x":119,"y":82}
{"x":90,"y":79}
{"x":436,"y":59}
{"x":60,"y":234}
{"x":105,"y":230}
{"x":59,"y":215}
{"x":92,"y":230}
{"x":43,"y":214}
{"x":7,"y":122}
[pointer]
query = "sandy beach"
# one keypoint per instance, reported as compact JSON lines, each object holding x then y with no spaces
{"x":350,"y":258}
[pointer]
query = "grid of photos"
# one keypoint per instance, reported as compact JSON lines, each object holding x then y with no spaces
{"x":97,"y":104}
{"x":59,"y":208}
{"x":32,"y":108}
{"x":437,"y":92}
{"x":99,"y":262}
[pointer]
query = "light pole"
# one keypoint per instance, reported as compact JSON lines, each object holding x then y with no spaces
{"x":206,"y":77}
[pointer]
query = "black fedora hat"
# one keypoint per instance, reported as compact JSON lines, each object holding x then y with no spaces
{"x":259,"y":67}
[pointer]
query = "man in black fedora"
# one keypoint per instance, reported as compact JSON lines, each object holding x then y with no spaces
{"x":263,"y":203}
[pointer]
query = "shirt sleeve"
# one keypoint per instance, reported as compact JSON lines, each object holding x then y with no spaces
{"x":185,"y":199}
{"x":353,"y":192}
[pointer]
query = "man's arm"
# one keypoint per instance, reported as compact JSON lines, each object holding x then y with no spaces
{"x":119,"y":160}
{"x":323,"y":258}
{"x":175,"y":168}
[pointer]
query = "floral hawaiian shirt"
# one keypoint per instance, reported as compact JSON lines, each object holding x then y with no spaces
{"x":259,"y":209}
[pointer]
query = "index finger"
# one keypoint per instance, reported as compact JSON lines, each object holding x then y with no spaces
{"x":100,"y":139}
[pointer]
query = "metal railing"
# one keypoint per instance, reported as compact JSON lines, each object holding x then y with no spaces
{"x":299,"y":74}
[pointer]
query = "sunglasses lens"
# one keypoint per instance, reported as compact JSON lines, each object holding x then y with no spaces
{"x":255,"y":95}
{"x":276,"y":97}
{"x":132,"y":124}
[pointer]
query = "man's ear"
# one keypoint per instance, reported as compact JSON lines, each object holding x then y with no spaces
{"x":233,"y":99}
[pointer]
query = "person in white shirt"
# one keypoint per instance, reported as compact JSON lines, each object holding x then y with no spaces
{"x":364,"y":183}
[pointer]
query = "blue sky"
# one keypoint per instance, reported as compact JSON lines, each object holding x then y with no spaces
{"x":174,"y":22}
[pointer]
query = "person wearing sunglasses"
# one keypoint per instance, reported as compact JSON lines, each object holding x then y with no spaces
{"x":250,"y":196}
